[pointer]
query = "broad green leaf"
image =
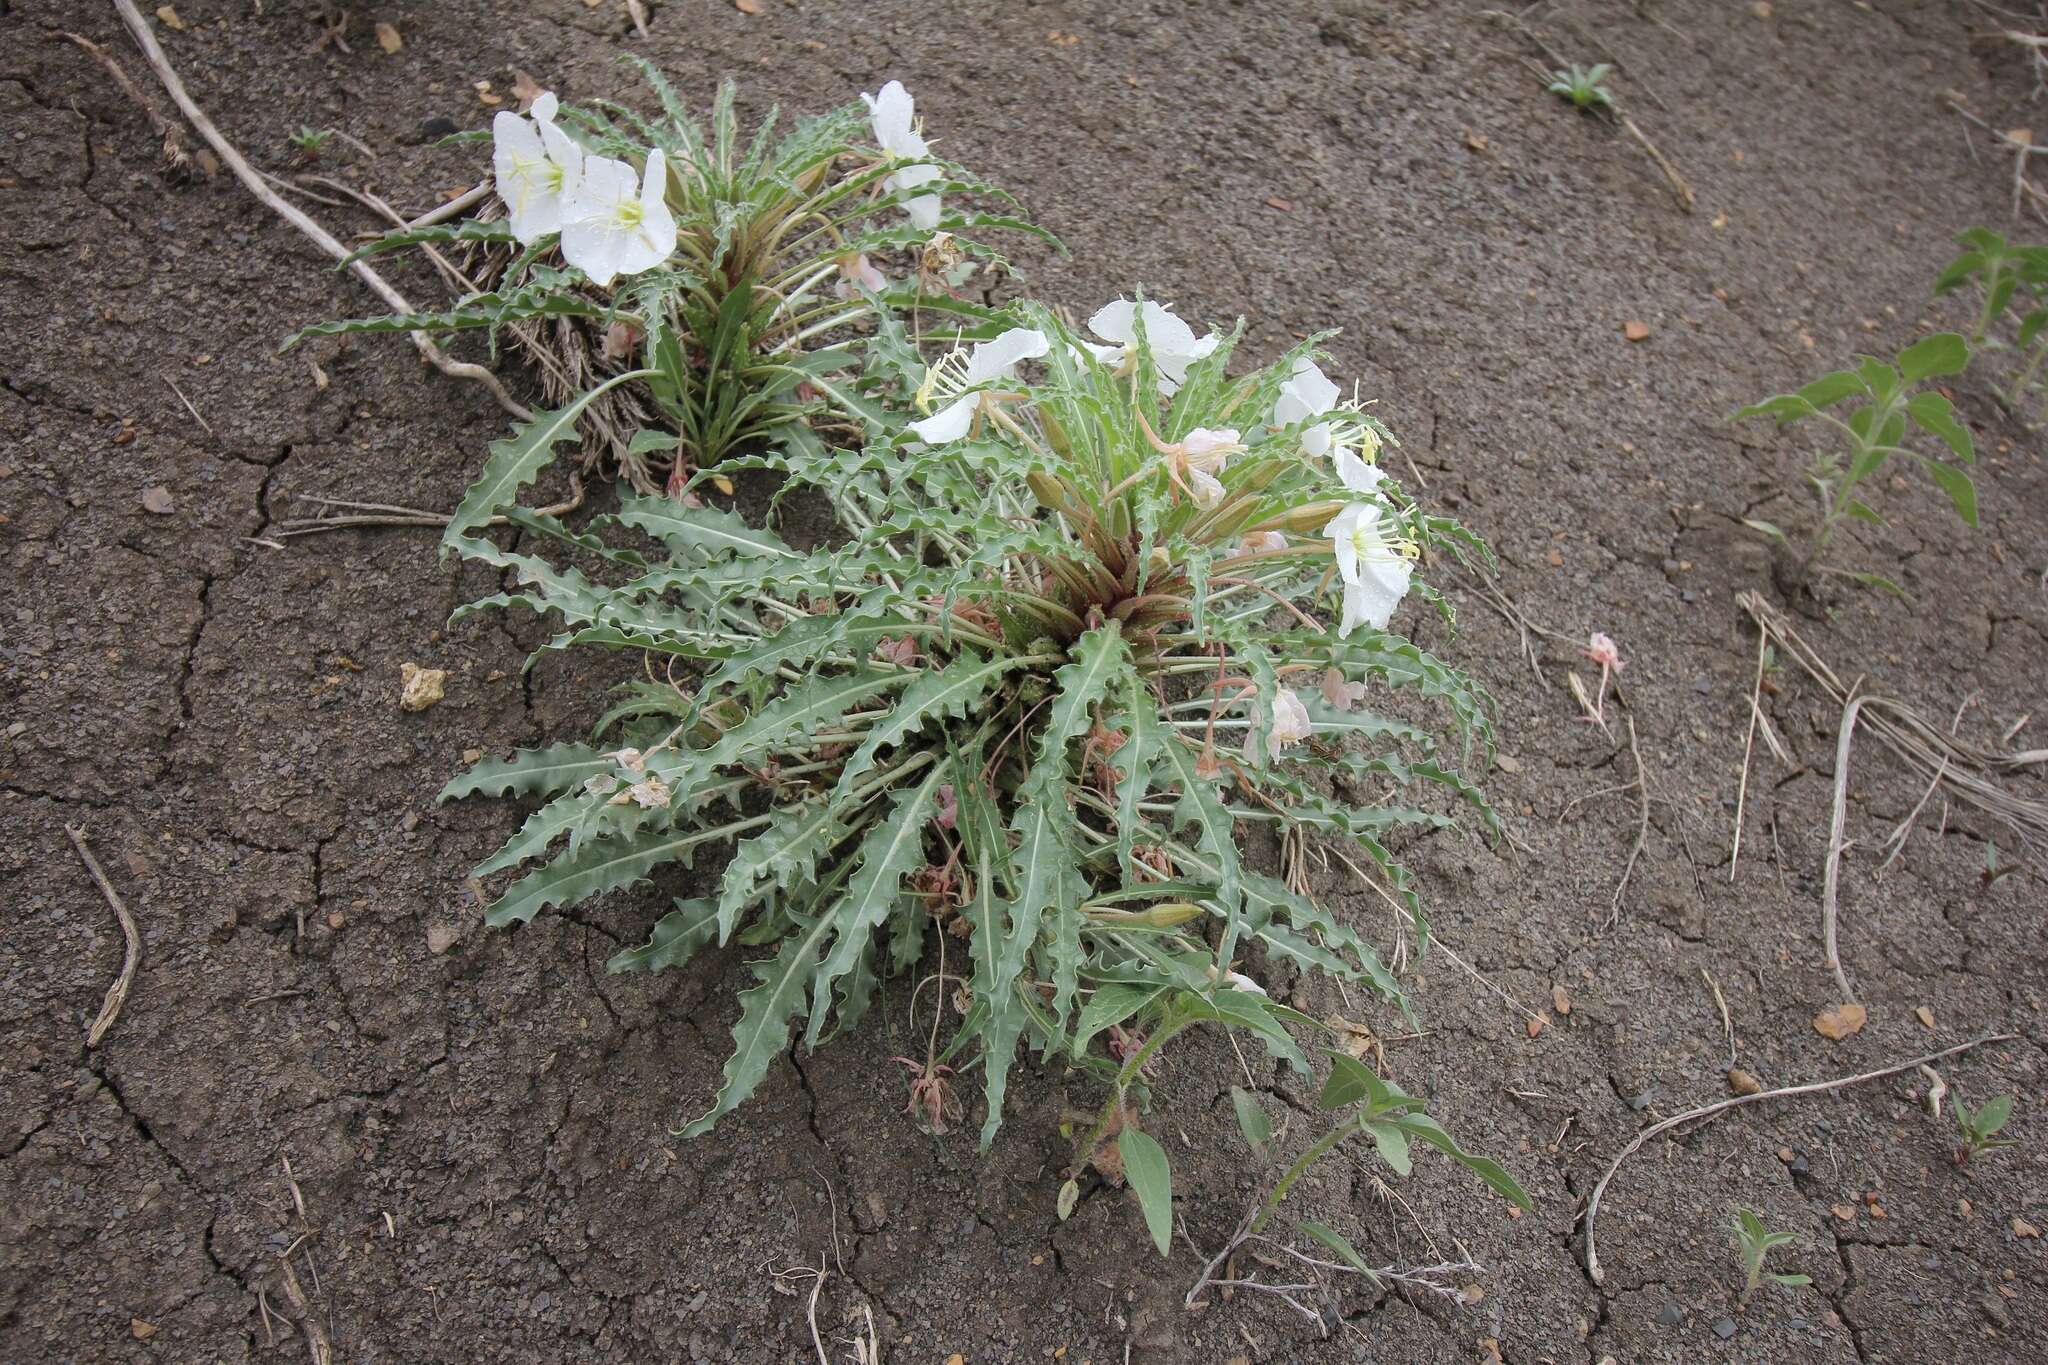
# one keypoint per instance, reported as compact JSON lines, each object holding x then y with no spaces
{"x":1108,"y":1006}
{"x":1251,"y":1119}
{"x":1943,"y":353}
{"x":1147,"y":1173}
{"x":1430,"y":1131}
{"x":1785,"y":407}
{"x":1961,"y":492}
{"x":1832,"y":388}
{"x":1392,"y":1144}
{"x":1350,"y":1081}
{"x":1991,"y":1115}
{"x":1935,"y":415}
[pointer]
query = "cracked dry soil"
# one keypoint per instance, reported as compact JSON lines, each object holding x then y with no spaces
{"x":476,"y":1122}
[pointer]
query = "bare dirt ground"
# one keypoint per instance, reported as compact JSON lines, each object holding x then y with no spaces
{"x":476,"y":1121}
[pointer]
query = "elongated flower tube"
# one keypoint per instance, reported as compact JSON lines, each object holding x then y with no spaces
{"x":537,"y":169}
{"x":892,"y":114}
{"x":614,"y":228}
{"x":990,"y":360}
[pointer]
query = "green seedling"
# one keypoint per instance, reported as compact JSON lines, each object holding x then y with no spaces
{"x":1884,"y":397}
{"x":1979,"y":1128}
{"x":310,"y":141}
{"x":1582,"y":86}
{"x":1754,"y":1241}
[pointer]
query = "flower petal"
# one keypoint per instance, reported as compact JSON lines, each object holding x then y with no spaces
{"x":1357,"y":475}
{"x":1112,"y":322}
{"x":949,"y":423}
{"x":998,"y":357}
{"x":892,"y":114}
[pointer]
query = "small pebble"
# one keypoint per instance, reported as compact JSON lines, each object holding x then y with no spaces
{"x":1725,"y":1328}
{"x":1670,"y":1315}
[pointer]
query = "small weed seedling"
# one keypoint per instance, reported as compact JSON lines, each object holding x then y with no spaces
{"x":2012,"y":279}
{"x":1979,"y":1127}
{"x":1582,"y":86}
{"x":1886,"y":400}
{"x":1393,"y":1119}
{"x":310,"y":141}
{"x":1755,"y":1242}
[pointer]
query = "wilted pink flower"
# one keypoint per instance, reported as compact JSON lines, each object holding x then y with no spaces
{"x":1340,"y":691}
{"x":901,"y":650}
{"x":1602,"y":651}
{"x":949,"y":807}
{"x":621,"y":339}
{"x":857,"y":269}
{"x":1262,"y":541}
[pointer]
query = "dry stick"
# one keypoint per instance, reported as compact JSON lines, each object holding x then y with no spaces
{"x":1919,"y":743}
{"x":1678,"y":185}
{"x":386,"y":514}
{"x":254,"y":183}
{"x":461,"y":203}
{"x":1748,"y":746}
{"x":1905,"y":829}
{"x":1727,"y":1024}
{"x":175,"y":156}
{"x":1642,"y":786}
{"x":117,"y":994}
{"x":1832,"y":877}
{"x":1721,"y":1107}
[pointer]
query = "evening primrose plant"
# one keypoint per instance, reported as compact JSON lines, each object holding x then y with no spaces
{"x":1094,"y":607}
{"x":727,"y":275}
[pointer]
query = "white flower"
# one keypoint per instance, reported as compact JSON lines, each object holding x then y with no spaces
{"x":1356,"y":474}
{"x":1260,"y":542}
{"x":1375,"y":568}
{"x":996,"y":359}
{"x":1170,"y":341}
{"x":1238,"y":981}
{"x":1206,"y":488}
{"x":537,"y":168}
{"x":1290,"y":718}
{"x":611,"y":229}
{"x":1308,"y":392}
{"x":1208,"y":450}
{"x":892,"y":114}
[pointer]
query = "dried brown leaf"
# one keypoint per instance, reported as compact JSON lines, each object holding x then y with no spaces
{"x":1841,"y":1022}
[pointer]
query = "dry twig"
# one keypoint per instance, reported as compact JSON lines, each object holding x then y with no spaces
{"x":1959,"y":767}
{"x":1721,"y":1107}
{"x":1642,"y":786}
{"x":256,"y":185}
{"x":176,"y":159}
{"x":131,"y":958}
